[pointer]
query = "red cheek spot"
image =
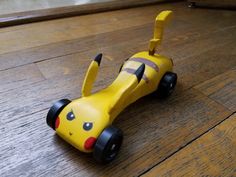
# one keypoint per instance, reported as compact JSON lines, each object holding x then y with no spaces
{"x":89,"y":143}
{"x":57,"y":122}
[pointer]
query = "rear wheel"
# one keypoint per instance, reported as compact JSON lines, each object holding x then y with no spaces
{"x":108,"y":144}
{"x":55,"y":111}
{"x":167,"y":84}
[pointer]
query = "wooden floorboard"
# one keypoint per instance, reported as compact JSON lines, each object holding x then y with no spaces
{"x":36,"y":70}
{"x":213,"y":154}
{"x":221,"y":88}
{"x":71,"y":28}
{"x":138,"y":28}
{"x":48,"y":13}
{"x":168,"y":126}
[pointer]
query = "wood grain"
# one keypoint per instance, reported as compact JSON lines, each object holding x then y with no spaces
{"x":201,"y":66}
{"x":186,"y":114}
{"x":51,"y":44}
{"x":168,"y":125}
{"x":34,"y":74}
{"x":221,"y":88}
{"x":213,"y":154}
{"x":72,"y":28}
{"x":68,"y":11}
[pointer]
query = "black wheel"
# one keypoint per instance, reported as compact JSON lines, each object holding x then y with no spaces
{"x":108,"y":144}
{"x":167,"y":84}
{"x":55,"y":111}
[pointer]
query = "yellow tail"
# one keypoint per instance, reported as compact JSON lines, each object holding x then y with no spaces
{"x":160,"y":22}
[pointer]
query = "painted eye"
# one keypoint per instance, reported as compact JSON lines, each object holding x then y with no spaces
{"x":88,"y":126}
{"x":70,"y":116}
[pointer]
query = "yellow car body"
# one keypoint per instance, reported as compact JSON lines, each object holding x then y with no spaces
{"x":82,"y":120}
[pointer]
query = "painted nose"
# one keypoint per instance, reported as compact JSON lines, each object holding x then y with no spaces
{"x":89,"y":143}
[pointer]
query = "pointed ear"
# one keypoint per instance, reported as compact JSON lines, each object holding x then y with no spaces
{"x":131,"y":83}
{"x":91,"y":76}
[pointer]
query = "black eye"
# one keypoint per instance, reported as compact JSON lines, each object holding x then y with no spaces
{"x":70,"y":116}
{"x":88,"y":126}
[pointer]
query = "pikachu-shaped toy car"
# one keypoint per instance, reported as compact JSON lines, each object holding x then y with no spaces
{"x":86,"y":123}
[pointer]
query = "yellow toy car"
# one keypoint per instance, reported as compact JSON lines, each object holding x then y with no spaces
{"x":86,"y":123}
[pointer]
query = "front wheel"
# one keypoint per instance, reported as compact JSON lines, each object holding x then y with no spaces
{"x":167,"y":84}
{"x":108,"y":144}
{"x":55,"y":111}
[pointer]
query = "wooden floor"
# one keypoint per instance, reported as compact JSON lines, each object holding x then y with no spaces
{"x":15,"y":12}
{"x":192,"y":133}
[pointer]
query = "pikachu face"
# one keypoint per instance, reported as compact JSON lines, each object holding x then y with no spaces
{"x":80,"y":125}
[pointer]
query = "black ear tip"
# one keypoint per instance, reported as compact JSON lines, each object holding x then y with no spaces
{"x":140,"y":71}
{"x":98,"y":58}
